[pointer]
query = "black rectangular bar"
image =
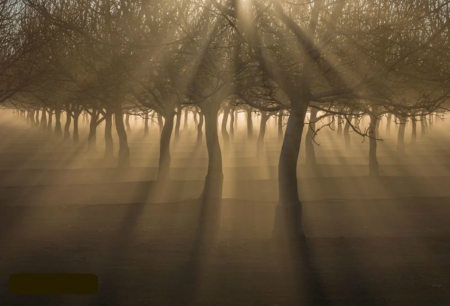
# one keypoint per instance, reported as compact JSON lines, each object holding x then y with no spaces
{"x":63,"y":283}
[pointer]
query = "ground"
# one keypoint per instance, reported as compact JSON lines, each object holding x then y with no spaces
{"x":369,"y":241}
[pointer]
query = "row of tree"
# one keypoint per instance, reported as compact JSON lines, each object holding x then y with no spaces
{"x":335,"y":58}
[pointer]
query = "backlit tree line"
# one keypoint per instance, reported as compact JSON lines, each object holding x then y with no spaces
{"x":311,"y":64}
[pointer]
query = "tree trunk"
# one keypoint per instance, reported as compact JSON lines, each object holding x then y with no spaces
{"x":401,"y":136}
{"x":44,"y":120}
{"x":146,"y":124}
{"x":422,"y":126}
{"x":50,"y":120}
{"x":92,"y":137}
{"x":373,"y":161}
{"x":186,"y":118}
{"x":37,"y":118}
{"x":232,"y":121}
{"x":109,"y":143}
{"x":288,"y":212}
{"x":164,"y":146}
{"x":76,"y":136}
{"x":388,"y":124}
{"x":67,"y":125}
{"x":249,"y":123}
{"x":225,"y":136}
{"x":200,"y":129}
{"x":347,"y":134}
{"x":262,"y":132}
{"x":414,"y":130}
{"x":58,"y":127}
{"x":280,"y":125}
{"x":178,"y":123}
{"x":124,"y":150}
{"x":160,"y":122}
{"x":32,"y":117}
{"x":339,"y":129}
{"x":214,"y":178}
{"x":309,"y":141}
{"x":127,"y":122}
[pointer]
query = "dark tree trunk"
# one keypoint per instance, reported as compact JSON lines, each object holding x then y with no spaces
{"x":422,"y":126}
{"x":200,"y":129}
{"x":262,"y":132}
{"x":195,"y":117}
{"x":178,"y":123}
{"x":37,"y":118}
{"x":232,"y":121}
{"x":401,"y":136}
{"x":289,"y":210}
{"x":214,"y":177}
{"x":124,"y":150}
{"x":58,"y":127}
{"x":225,"y":136}
{"x":186,"y":118}
{"x":373,"y":161}
{"x":146,"y":125}
{"x":44,"y":119}
{"x":31,"y":114}
{"x":76,"y":136}
{"x":309,"y":141}
{"x":68,"y":122}
{"x":333,"y":122}
{"x":339,"y":129}
{"x":249,"y":123}
{"x":109,"y":143}
{"x":347,"y":134}
{"x":414,"y":130}
{"x":377,"y":128}
{"x":164,"y":146}
{"x":160,"y":122}
{"x":280,"y":124}
{"x":388,"y":124}
{"x":50,"y":120}
{"x":425,"y":122}
{"x":92,"y":137}
{"x":127,"y":122}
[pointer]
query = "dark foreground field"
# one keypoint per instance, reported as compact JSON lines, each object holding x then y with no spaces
{"x":369,"y":241}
